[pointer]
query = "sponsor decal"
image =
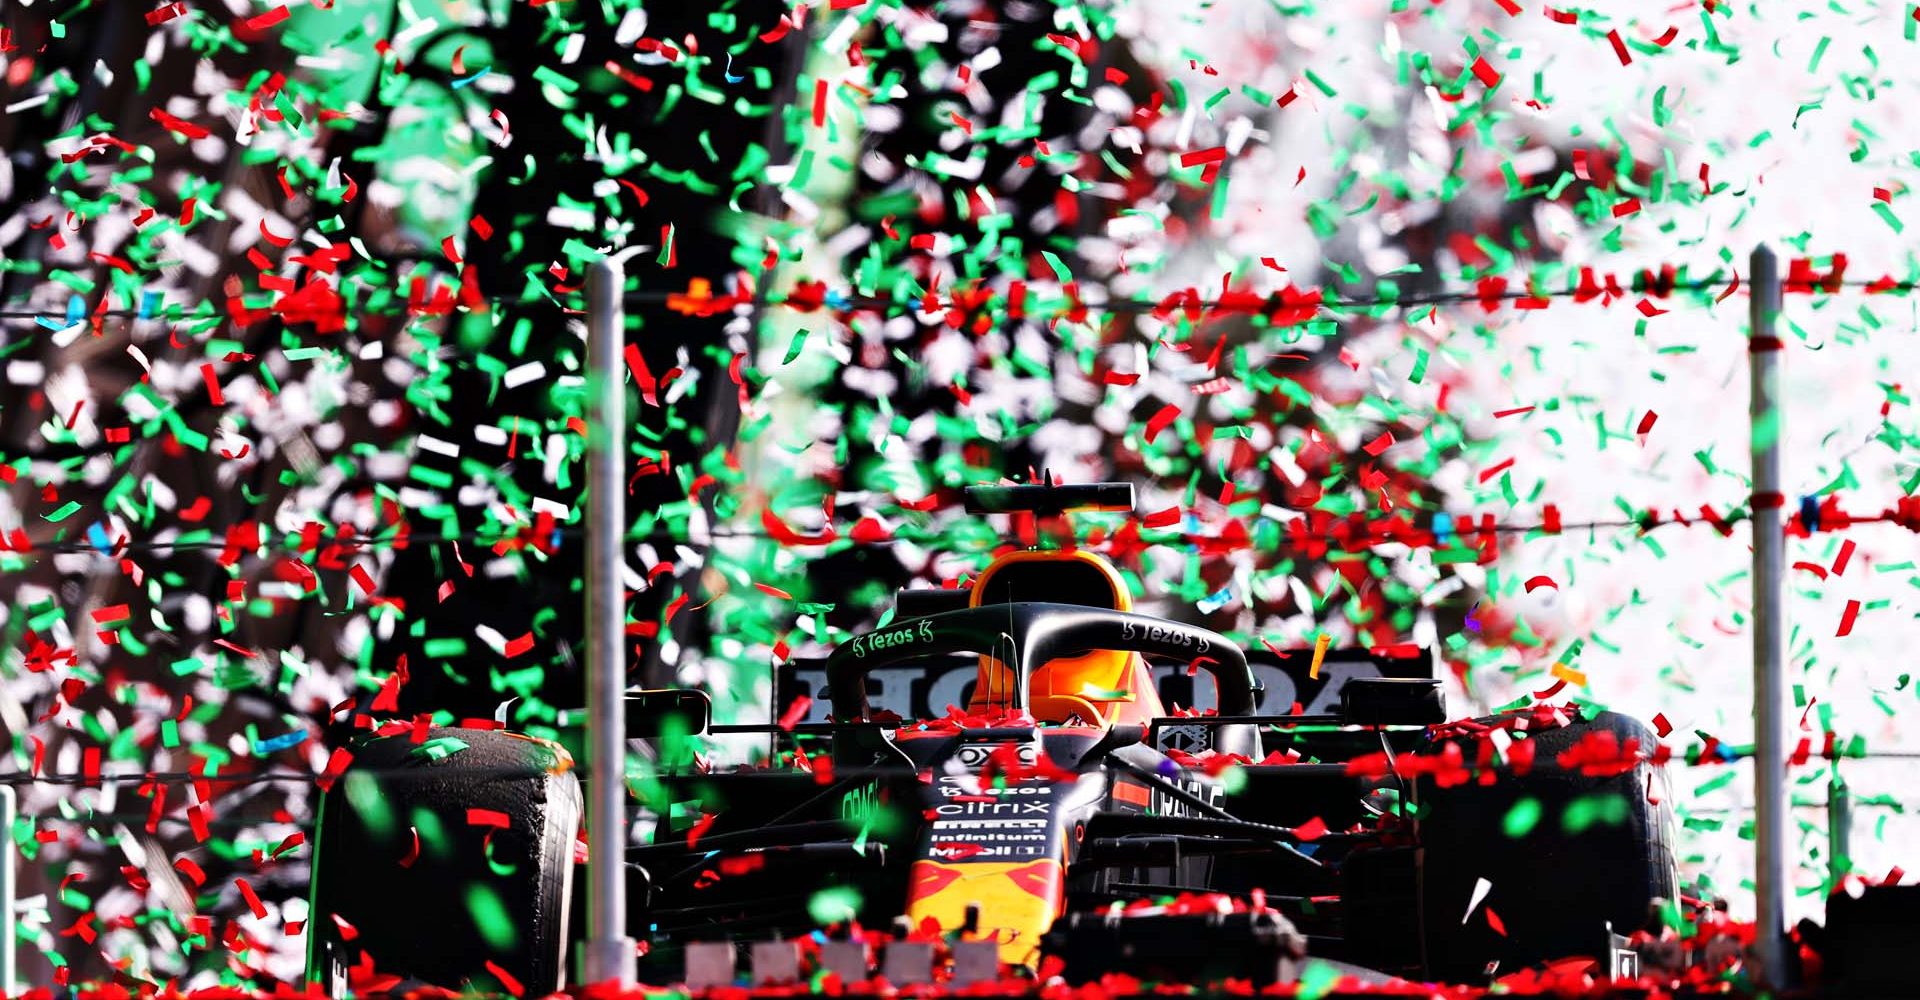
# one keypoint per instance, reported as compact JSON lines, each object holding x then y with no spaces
{"x":1184,"y":738}
{"x":1016,"y":823}
{"x":951,"y":787}
{"x":1042,"y":878}
{"x":976,"y":755}
{"x":1163,"y":804}
{"x":970,"y":807}
{"x":1171,"y":635}
{"x":924,"y":690}
{"x":861,"y":804}
{"x":918,"y":632}
{"x":929,"y":879}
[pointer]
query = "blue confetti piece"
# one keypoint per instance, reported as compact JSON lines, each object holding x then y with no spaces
{"x":263,"y":747}
{"x":1215,"y":601}
{"x":76,"y":309}
{"x":97,"y":537}
{"x":1442,"y":525}
{"x":730,"y":77}
{"x":51,"y":324}
{"x":1810,"y":513}
{"x":457,"y":84}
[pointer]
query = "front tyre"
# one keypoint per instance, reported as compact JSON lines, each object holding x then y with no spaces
{"x":1569,"y":855}
{"x":435,"y":859}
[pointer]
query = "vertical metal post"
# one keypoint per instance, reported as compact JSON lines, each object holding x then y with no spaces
{"x":1770,"y":874}
{"x":1839,"y":829}
{"x":9,"y":889}
{"x":609,"y":952}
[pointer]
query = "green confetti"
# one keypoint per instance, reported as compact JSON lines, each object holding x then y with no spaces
{"x":1886,"y":215}
{"x":795,"y":346}
{"x":489,"y":915}
{"x":834,"y":905}
{"x":1522,"y":818}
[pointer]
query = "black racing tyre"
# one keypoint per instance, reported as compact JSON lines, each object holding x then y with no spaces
{"x":1597,"y":854}
{"x":494,"y":816}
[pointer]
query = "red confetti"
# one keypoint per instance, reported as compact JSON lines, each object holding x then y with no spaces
{"x":779,"y":532}
{"x":268,"y":20}
{"x":1541,"y":581}
{"x":252,"y":898}
{"x":1846,"y":555}
{"x":1160,"y":420}
{"x":1162,"y":518}
{"x":1847,"y":617}
{"x":1619,"y":47}
{"x":515,"y":647}
{"x":187,"y":867}
{"x":700,"y":828}
{"x":642,"y":376}
{"x":794,"y":713}
{"x":491,"y":818}
{"x":1485,"y":73}
{"x":214,"y":395}
{"x":180,"y":125}
{"x":513,"y":986}
{"x":336,"y":766}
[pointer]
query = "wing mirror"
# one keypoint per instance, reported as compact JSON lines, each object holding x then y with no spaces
{"x":668,"y":713}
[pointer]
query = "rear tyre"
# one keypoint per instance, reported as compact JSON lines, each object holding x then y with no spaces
{"x":1569,"y":855}
{"x":434,"y":859}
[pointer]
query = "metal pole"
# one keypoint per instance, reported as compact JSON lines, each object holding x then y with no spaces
{"x":1770,"y":874}
{"x":1839,"y":829}
{"x":610,"y":953}
{"x":9,"y":888}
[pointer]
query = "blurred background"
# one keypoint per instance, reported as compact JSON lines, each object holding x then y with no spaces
{"x":1365,"y":297}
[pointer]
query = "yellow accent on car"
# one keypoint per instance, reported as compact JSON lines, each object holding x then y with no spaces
{"x":1018,"y":901}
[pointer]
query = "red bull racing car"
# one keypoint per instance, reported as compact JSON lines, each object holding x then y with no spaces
{"x":1068,"y":815}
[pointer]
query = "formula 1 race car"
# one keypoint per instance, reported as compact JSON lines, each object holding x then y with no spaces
{"x":1060,"y":819}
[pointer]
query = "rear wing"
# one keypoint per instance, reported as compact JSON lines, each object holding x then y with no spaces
{"x":922,"y":689}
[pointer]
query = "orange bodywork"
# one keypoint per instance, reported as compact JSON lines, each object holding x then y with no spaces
{"x":1019,"y":900}
{"x":1105,"y":687}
